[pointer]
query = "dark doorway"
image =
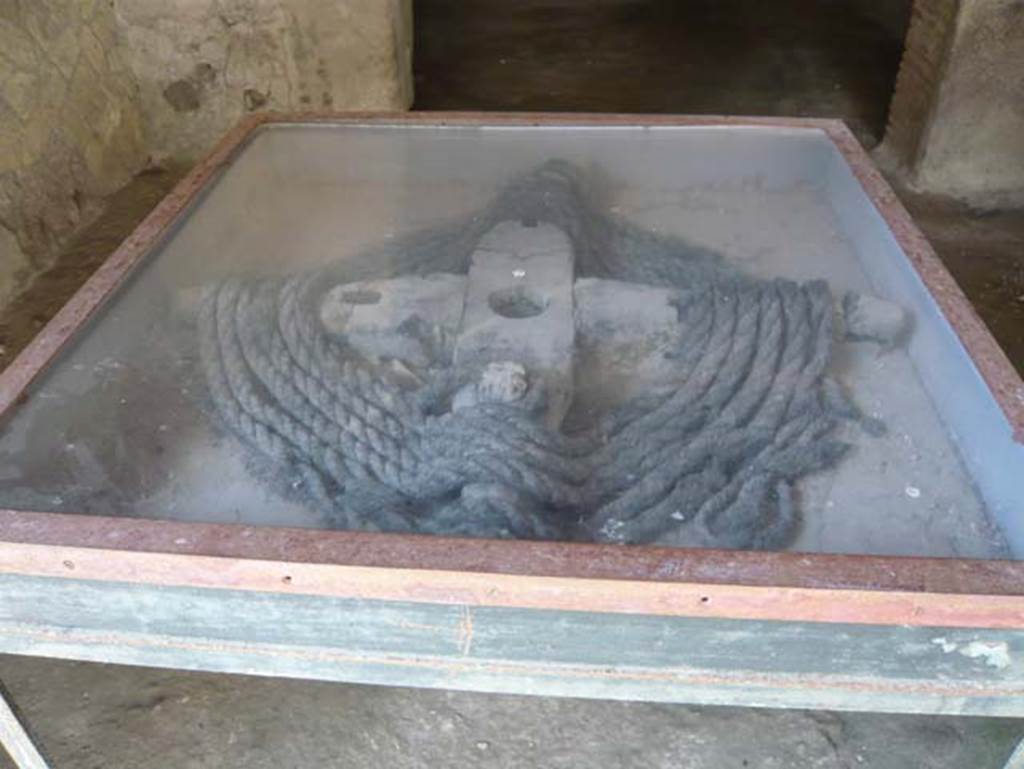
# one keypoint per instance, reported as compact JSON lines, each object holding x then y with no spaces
{"x":830,"y":58}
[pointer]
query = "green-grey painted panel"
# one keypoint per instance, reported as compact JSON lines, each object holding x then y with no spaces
{"x":672,"y":659}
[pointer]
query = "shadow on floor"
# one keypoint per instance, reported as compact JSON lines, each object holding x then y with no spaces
{"x":984,"y":251}
{"x":23,"y":317}
{"x":801,"y":57}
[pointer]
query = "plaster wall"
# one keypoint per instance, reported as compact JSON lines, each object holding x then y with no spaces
{"x":93,"y":91}
{"x":202,"y":64}
{"x":71,"y":127}
{"x":975,"y":145}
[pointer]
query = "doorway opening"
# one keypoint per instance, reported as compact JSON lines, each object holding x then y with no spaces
{"x":819,"y":58}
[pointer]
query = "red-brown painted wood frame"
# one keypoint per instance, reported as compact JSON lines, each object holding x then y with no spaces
{"x":541,"y":575}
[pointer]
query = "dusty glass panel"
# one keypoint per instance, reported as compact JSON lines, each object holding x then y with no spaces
{"x":671,"y":335}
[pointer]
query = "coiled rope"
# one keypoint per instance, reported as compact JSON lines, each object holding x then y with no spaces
{"x":711,"y":463}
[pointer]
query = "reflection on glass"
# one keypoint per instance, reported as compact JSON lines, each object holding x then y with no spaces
{"x":592,"y":337}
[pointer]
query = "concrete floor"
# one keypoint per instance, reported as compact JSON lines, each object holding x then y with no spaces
{"x":93,"y":717}
{"x":544,"y":55}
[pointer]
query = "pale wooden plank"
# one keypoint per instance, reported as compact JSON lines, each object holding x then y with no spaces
{"x":16,"y":741}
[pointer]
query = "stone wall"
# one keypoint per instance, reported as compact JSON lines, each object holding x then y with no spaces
{"x":956,"y":124}
{"x":71,"y":128}
{"x":91,"y":91}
